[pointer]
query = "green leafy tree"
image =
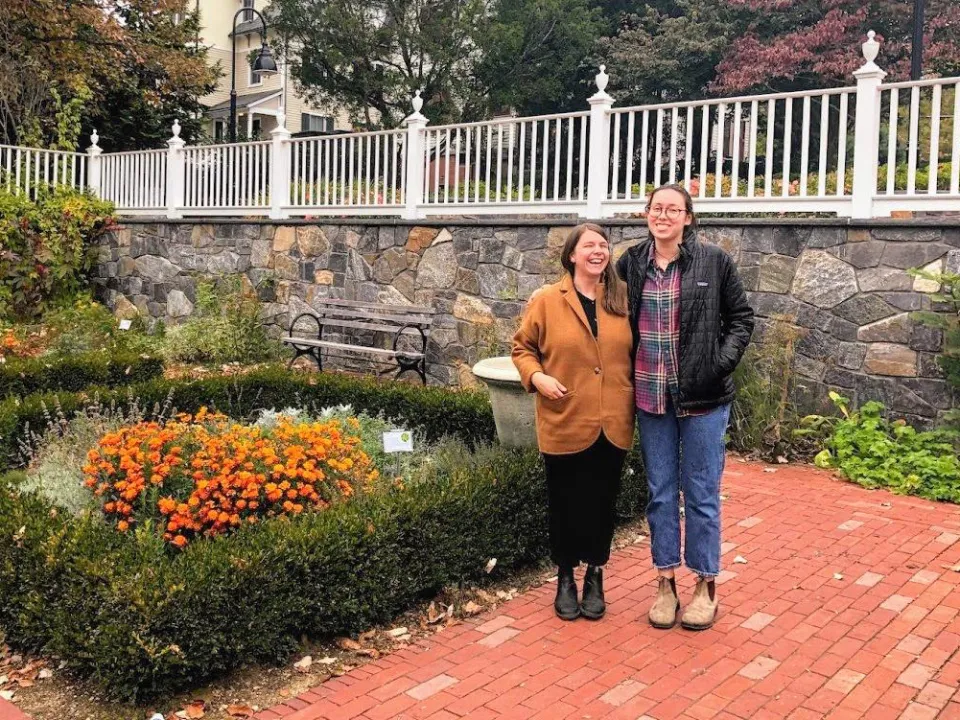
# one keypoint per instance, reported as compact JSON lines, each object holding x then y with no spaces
{"x":668,"y":50}
{"x":67,"y":65}
{"x":370,"y":57}
{"x":535,"y":55}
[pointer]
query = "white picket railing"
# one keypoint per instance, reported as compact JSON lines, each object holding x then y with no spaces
{"x":26,"y":170}
{"x":742,"y":149}
{"x":347,"y":174}
{"x":507,"y":165}
{"x":135,"y":181}
{"x":861,"y":151}
{"x":232,"y":178}
{"x":921,"y":121}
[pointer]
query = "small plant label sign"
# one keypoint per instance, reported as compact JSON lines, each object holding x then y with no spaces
{"x":125,"y":324}
{"x":398,"y":441}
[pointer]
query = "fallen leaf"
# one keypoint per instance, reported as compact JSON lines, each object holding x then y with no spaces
{"x":304,"y":663}
{"x":6,"y":695}
{"x":837,"y":576}
{"x":327,"y":661}
{"x":485,"y":596}
{"x":195,"y":710}
{"x":45,"y":674}
{"x":491,"y":564}
{"x":25,"y":682}
{"x":769,"y":469}
{"x":782,"y":460}
{"x":398,"y":631}
{"x":955,"y":568}
{"x":471,"y":608}
{"x":369,"y":652}
{"x":348,"y":644}
{"x":740,"y":560}
{"x":239,"y":710}
{"x":367,"y":636}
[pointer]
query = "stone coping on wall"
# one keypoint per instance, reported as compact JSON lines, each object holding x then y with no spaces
{"x":556,"y":221}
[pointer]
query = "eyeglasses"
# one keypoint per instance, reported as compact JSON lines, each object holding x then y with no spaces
{"x":671,"y":212}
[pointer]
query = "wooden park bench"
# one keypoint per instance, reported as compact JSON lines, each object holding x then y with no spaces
{"x":403,"y":322}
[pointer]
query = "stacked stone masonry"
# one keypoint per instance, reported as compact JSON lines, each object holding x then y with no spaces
{"x":846,"y":289}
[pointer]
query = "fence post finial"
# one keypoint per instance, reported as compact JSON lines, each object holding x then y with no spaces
{"x":176,"y":173}
{"x":94,"y":164}
{"x":417,"y":103}
{"x":415,"y":151}
{"x":601,"y":79}
{"x":866,"y":130}
{"x":870,"y":48}
{"x":598,"y":168}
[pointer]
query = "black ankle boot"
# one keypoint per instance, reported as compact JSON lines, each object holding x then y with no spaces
{"x":593,"y":606}
{"x":566,"y":604}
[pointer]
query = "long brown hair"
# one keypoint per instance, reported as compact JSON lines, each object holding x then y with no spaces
{"x":615,"y":291}
{"x":687,"y":203}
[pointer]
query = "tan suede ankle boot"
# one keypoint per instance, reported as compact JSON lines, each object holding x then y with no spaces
{"x":702,"y":610}
{"x":663,"y":614}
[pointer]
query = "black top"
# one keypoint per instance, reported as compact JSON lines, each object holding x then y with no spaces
{"x":590,"y":310}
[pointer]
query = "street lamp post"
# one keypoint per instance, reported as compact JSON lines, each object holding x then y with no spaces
{"x":916,"y":55}
{"x":264,"y":64}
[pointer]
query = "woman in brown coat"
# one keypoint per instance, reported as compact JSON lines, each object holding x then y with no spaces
{"x":573,"y":349}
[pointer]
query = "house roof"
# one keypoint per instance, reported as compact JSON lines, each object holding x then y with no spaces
{"x":243,"y":102}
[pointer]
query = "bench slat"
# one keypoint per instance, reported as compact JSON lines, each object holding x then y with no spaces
{"x":349,"y":348}
{"x":374,"y":306}
{"x":352,"y":314}
{"x":377,"y":327}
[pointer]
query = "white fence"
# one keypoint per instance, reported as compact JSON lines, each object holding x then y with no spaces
{"x":27,"y":170}
{"x":861,"y":151}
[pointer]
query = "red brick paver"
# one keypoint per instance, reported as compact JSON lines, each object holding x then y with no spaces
{"x":847,"y":607}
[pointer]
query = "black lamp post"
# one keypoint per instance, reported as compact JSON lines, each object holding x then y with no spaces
{"x":264,"y":64}
{"x":916,"y":55}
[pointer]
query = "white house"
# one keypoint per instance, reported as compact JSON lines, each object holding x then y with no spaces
{"x":260,"y":100}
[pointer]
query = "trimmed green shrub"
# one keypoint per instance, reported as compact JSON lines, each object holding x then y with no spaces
{"x":435,"y":412}
{"x":144,"y":621}
{"x":21,"y":377}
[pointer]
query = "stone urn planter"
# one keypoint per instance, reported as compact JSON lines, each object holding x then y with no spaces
{"x":513,"y":407}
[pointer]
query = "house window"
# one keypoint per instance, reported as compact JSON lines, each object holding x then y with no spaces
{"x":255,"y":77}
{"x":218,"y":130}
{"x":315,"y":123}
{"x":248,"y":10}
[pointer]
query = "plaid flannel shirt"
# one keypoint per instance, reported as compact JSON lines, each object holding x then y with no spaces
{"x":655,"y":368}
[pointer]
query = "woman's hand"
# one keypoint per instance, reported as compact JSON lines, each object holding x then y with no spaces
{"x":548,"y":386}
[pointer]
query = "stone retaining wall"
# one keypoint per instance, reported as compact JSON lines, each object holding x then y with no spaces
{"x":844,"y":286}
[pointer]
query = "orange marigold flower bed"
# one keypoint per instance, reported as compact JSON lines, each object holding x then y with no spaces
{"x":205,"y":475}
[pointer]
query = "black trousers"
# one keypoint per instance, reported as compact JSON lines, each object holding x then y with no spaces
{"x":582,"y":493}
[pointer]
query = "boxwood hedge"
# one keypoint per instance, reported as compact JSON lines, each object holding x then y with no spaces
{"x":144,"y":620}
{"x":435,"y":412}
{"x":21,"y":377}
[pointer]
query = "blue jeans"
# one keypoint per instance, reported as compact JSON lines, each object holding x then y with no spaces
{"x":686,"y":454}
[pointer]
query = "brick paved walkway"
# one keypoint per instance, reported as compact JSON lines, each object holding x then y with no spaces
{"x":793,"y":639}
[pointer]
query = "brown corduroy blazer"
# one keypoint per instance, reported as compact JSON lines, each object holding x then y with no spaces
{"x":555,"y":338}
